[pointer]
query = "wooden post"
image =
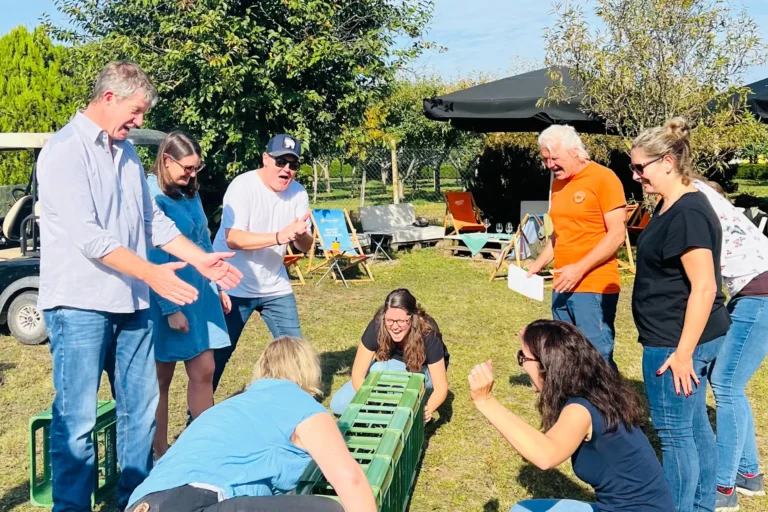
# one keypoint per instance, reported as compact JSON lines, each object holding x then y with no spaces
{"x":314,"y":181}
{"x":363,"y":174}
{"x":395,"y":177}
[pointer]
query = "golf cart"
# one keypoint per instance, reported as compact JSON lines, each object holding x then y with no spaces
{"x":20,"y":241}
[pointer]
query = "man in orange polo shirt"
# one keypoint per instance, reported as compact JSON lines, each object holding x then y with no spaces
{"x":588,"y":211}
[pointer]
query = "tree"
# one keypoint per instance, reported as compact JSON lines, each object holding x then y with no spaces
{"x":399,"y":120}
{"x":235,"y":73}
{"x":35,"y":94}
{"x":657,"y":59}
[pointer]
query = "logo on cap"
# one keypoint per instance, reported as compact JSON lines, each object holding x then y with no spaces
{"x":289,"y":143}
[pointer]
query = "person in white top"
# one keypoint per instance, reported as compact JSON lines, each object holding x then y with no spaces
{"x":264,"y":210}
{"x":744,"y":265}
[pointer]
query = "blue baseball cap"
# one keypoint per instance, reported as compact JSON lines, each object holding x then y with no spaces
{"x":284,"y":144}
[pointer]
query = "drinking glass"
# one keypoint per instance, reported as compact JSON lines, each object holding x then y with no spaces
{"x":499,"y":227}
{"x":509,"y":228}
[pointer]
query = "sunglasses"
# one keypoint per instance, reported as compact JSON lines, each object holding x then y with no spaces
{"x":522,"y":359}
{"x":282,"y":162}
{"x":189,"y":169}
{"x":640,"y":168}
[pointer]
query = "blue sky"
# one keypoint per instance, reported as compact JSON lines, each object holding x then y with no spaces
{"x":482,"y":36}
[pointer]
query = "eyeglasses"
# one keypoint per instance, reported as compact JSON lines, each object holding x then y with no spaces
{"x":522,"y":359}
{"x":640,"y":168}
{"x":282,"y":162}
{"x":400,"y":323}
{"x":189,"y":169}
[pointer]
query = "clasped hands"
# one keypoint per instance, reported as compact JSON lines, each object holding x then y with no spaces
{"x":294,"y":230}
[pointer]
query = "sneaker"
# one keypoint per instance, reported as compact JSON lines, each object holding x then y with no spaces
{"x":727,"y":500}
{"x":750,"y":485}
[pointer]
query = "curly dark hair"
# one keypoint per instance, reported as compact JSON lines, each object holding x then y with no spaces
{"x":413,"y":343}
{"x":571,"y":367}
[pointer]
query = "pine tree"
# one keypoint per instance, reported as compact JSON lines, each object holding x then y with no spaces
{"x":35,"y":94}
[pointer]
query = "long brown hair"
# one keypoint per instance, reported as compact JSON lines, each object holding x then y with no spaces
{"x":422,"y":324}
{"x":571,"y":367}
{"x":176,"y":145}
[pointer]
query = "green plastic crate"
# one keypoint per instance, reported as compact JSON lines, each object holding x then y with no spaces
{"x":384,"y":431}
{"x":104,"y":435}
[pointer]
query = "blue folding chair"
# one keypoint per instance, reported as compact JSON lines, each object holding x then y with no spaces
{"x":331,"y":227}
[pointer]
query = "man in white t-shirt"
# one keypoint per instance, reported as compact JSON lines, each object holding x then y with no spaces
{"x":264,"y":210}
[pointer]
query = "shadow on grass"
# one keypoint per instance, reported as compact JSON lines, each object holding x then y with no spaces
{"x":446,"y":413}
{"x":551,"y":484}
{"x":15,"y":497}
{"x":333,"y":362}
{"x":491,"y":505}
{"x":3,"y":367}
{"x":521,"y":379}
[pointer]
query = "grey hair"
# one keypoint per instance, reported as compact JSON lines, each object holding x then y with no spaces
{"x":124,"y":79}
{"x":568,"y":138}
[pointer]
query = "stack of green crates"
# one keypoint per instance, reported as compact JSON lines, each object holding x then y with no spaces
{"x":384,"y":430}
{"x":104,"y":436}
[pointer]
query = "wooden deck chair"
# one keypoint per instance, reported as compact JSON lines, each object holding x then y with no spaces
{"x":514,"y":245}
{"x":291,"y":260}
{"x":632,"y":212}
{"x":335,"y":225}
{"x":639,"y":218}
{"x":465,"y":216}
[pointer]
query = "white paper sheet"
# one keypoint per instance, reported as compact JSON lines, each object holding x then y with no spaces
{"x":532,"y":287}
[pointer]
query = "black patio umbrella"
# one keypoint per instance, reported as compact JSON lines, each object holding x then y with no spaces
{"x":509,"y":105}
{"x":757,"y":101}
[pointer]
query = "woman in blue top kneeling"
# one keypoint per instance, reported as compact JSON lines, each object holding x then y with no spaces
{"x":241,"y":453}
{"x":588,"y":414}
{"x":401,"y":337}
{"x":183,"y":333}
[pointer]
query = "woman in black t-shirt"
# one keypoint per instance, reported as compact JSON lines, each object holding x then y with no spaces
{"x":401,"y":337}
{"x":588,"y":413}
{"x":679,"y":311}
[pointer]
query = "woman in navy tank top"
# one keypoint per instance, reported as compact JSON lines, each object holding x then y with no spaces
{"x":588,"y":413}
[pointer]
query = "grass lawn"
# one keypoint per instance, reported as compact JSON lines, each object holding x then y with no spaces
{"x":467,"y":465}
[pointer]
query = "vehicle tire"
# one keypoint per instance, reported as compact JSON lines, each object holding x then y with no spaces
{"x":25,"y":321}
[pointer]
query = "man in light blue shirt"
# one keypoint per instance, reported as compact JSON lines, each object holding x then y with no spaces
{"x":97,"y":220}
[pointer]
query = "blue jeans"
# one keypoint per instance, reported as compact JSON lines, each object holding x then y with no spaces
{"x":554,"y":506}
{"x":83,"y":344}
{"x":688,"y":447}
{"x":279,"y":313}
{"x":744,"y":348}
{"x":343,"y":397}
{"x":593,"y":314}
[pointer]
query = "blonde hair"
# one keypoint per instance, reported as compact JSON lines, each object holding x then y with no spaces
{"x":671,"y":139}
{"x":176,"y":145}
{"x":124,"y":79}
{"x":567,"y":137}
{"x":291,"y":359}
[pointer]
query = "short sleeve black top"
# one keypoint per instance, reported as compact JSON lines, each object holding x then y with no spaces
{"x":434,"y":348}
{"x":661,"y":291}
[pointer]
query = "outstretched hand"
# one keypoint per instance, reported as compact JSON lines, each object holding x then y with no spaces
{"x":164,"y":281}
{"x":213,"y":267}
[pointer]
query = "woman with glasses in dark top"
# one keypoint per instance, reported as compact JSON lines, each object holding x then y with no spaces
{"x":401,"y":337}
{"x":588,"y":413}
{"x":679,"y":310}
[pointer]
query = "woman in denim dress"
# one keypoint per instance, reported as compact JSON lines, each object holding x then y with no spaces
{"x":184,"y":333}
